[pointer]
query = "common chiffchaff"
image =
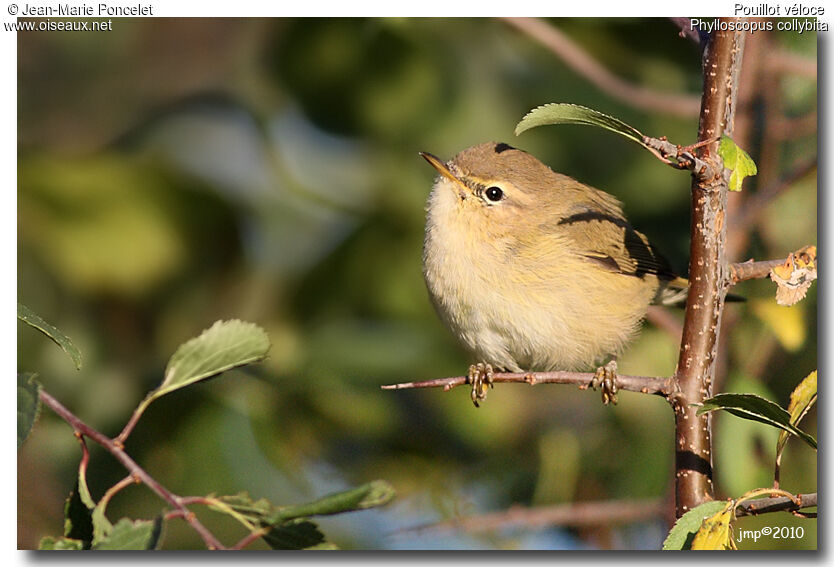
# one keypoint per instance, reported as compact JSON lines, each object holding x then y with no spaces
{"x":533,"y":270}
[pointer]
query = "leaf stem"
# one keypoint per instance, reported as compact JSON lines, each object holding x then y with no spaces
{"x":115,"y":489}
{"x":134,"y":419}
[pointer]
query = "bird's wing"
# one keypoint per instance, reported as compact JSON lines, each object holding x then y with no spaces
{"x":608,"y":239}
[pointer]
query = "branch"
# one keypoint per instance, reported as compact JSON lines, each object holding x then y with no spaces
{"x":583,"y":64}
{"x":780,"y":504}
{"x":137,"y":473}
{"x":707,"y":274}
{"x":685,"y":29}
{"x":641,"y":384}
{"x":751,"y":270}
{"x":681,"y":157}
{"x":578,"y":515}
{"x":793,"y":276}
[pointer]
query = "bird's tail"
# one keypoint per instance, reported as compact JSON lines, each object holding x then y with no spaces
{"x":676,"y":290}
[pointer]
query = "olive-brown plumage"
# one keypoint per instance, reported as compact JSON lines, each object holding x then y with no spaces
{"x":532,"y":269}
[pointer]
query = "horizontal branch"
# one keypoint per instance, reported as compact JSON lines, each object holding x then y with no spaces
{"x":805,"y":258}
{"x":750,"y":270}
{"x":576,"y":515}
{"x":607,"y":512}
{"x":780,"y":504}
{"x":642,"y":384}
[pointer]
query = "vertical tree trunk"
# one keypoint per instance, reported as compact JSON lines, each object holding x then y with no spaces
{"x":707,"y":273}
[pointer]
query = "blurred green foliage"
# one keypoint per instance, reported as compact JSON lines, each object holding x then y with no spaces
{"x":175,"y":172}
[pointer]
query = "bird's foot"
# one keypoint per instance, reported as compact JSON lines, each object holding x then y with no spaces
{"x":480,"y":377}
{"x":606,"y":378}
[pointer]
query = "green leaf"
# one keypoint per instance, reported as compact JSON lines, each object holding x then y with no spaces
{"x":372,"y":494}
{"x":30,"y":318}
{"x":564,"y":113}
{"x":50,"y":543}
{"x":102,"y":528}
{"x":136,"y":535}
{"x":78,"y":522}
{"x":750,"y":406}
{"x":226,"y":345}
{"x":289,"y":527}
{"x":297,"y":534}
{"x":683,"y":532}
{"x":28,"y":404}
{"x":242,"y":507}
{"x":736,"y":160}
{"x":743,"y":449}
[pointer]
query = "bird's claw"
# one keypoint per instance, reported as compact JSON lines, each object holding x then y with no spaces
{"x":480,"y":377}
{"x":605,"y":378}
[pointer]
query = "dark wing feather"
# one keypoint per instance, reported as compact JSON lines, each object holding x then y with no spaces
{"x":609,"y":240}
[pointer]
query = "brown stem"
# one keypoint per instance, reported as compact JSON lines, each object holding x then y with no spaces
{"x":583,"y":64}
{"x":249,"y":538}
{"x":707,"y":275}
{"x":642,"y":384}
{"x":742,"y":271}
{"x":576,"y":515}
{"x":136,"y":472}
{"x":780,"y":504}
{"x":115,"y":489}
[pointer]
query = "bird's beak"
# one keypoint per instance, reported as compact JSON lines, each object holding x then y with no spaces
{"x":443,"y":170}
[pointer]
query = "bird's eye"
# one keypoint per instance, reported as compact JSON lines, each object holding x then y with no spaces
{"x":494,"y":194}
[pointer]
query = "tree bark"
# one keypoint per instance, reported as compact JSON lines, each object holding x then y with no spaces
{"x":708,"y":273}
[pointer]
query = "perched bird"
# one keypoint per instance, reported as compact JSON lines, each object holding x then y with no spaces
{"x":533,"y":270}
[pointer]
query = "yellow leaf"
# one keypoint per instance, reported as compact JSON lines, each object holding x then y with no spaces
{"x":715,"y":531}
{"x":802,"y":398}
{"x":786,"y":323}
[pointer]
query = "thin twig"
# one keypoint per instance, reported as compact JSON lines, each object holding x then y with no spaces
{"x":249,"y":538}
{"x":583,"y":64}
{"x":681,"y":157}
{"x":115,"y":489}
{"x":741,"y":271}
{"x":136,"y":472}
{"x":577,"y":515}
{"x":780,"y":504}
{"x":642,"y":384}
{"x":685,"y":29}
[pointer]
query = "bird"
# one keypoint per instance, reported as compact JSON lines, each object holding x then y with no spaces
{"x":535,"y":271}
